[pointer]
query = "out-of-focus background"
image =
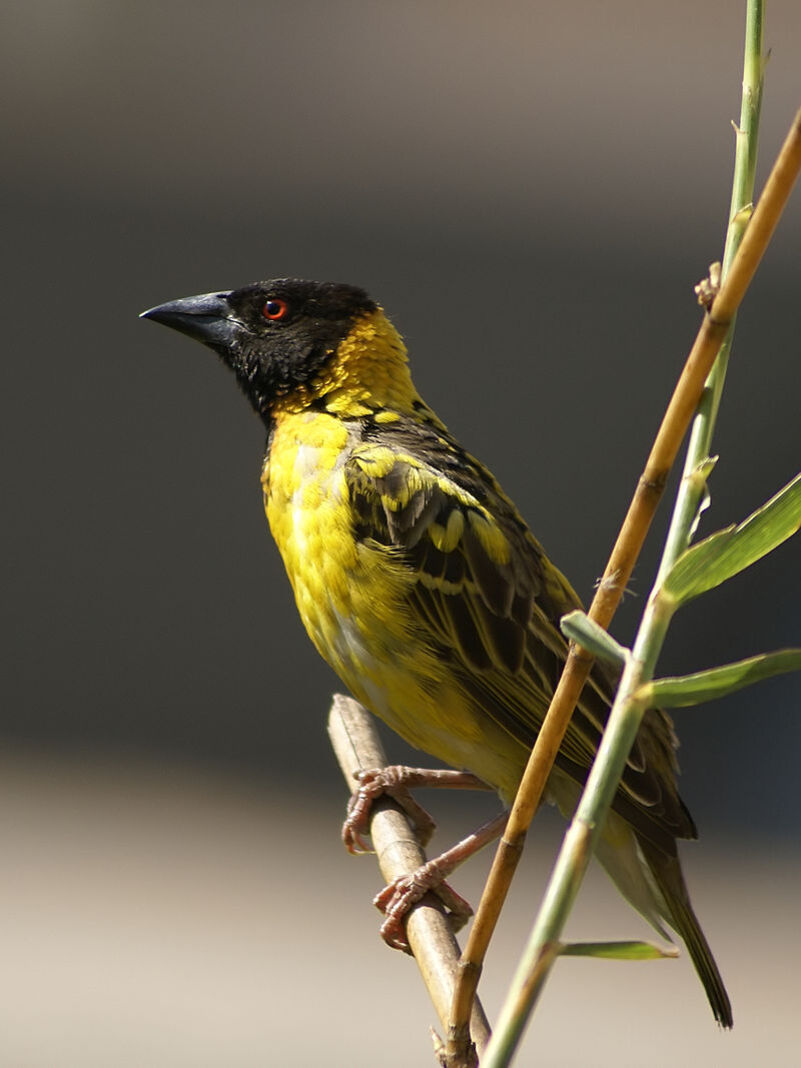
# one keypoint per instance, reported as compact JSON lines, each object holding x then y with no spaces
{"x":531,"y":190}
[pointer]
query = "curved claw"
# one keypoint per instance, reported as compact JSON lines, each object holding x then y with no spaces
{"x":399,"y":897}
{"x":373,"y":783}
{"x":356,"y":824}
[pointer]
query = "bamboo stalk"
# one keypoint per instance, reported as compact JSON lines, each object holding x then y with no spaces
{"x":685,"y":400}
{"x":627,"y":711}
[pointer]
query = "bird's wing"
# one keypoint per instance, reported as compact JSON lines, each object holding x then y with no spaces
{"x":489,"y":601}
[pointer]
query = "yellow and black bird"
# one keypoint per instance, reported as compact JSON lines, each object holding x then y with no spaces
{"x":419,"y":582}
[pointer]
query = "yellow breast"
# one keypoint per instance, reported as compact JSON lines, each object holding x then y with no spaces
{"x":350,"y":597}
{"x":353,"y":599}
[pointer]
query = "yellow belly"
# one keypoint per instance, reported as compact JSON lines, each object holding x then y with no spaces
{"x":352,"y":598}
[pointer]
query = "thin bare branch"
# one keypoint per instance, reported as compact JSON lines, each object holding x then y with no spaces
{"x":355,"y":742}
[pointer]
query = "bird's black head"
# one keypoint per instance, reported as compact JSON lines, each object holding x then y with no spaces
{"x":275,"y":336}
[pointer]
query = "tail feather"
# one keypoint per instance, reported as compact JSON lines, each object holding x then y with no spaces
{"x":667,"y":875}
{"x":650,"y":878}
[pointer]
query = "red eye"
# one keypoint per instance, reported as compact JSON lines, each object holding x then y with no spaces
{"x":275,"y":309}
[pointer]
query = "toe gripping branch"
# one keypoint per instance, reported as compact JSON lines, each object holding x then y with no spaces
{"x":427,"y":928}
{"x":399,"y":896}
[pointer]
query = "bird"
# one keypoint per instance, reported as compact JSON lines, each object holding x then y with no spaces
{"x":420,"y":583}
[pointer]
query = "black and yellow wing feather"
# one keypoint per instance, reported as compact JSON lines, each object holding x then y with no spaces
{"x":489,"y":603}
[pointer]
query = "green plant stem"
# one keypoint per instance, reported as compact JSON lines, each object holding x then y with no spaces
{"x":693,"y":485}
{"x":627,"y":711}
{"x":581,"y":837}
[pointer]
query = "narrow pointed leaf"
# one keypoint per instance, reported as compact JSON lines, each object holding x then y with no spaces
{"x":729,"y":551}
{"x":618,"y":950}
{"x":578,"y":627}
{"x":702,"y":472}
{"x":681,"y":690}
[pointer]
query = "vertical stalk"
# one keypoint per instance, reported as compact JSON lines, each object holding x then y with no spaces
{"x":627,"y":712}
{"x":579,"y":842}
{"x":693,"y":485}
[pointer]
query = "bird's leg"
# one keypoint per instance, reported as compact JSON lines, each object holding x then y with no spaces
{"x":397,"y":899}
{"x":395,"y":781}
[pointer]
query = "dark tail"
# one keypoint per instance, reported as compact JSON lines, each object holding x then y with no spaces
{"x":667,"y":873}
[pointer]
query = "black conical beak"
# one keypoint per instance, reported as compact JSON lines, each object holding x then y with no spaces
{"x":208,"y":318}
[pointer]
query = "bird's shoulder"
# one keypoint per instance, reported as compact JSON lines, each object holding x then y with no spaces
{"x":415,"y":490}
{"x":413,"y":486}
{"x":490,"y":598}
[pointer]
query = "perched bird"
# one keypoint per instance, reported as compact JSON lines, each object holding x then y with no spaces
{"x":419,"y":582}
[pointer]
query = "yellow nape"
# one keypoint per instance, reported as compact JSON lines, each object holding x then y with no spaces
{"x":368,"y":371}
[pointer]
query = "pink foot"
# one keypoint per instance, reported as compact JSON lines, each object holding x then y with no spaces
{"x":397,"y":899}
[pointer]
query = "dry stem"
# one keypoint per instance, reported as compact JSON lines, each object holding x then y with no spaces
{"x":618,"y":571}
{"x":357,"y":748}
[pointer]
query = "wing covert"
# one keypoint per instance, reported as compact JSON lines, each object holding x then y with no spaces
{"x":490,"y":602}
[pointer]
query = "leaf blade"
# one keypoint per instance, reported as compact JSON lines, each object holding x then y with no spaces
{"x":618,"y":950}
{"x":578,"y":627}
{"x":679,"y":691}
{"x":727,"y":552}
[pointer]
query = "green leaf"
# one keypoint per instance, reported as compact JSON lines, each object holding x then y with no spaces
{"x":680,"y":690}
{"x":578,"y":627}
{"x":701,"y":474}
{"x":618,"y":950}
{"x":726,"y":553}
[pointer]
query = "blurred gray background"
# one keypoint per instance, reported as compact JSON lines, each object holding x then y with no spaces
{"x":531,"y":191}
